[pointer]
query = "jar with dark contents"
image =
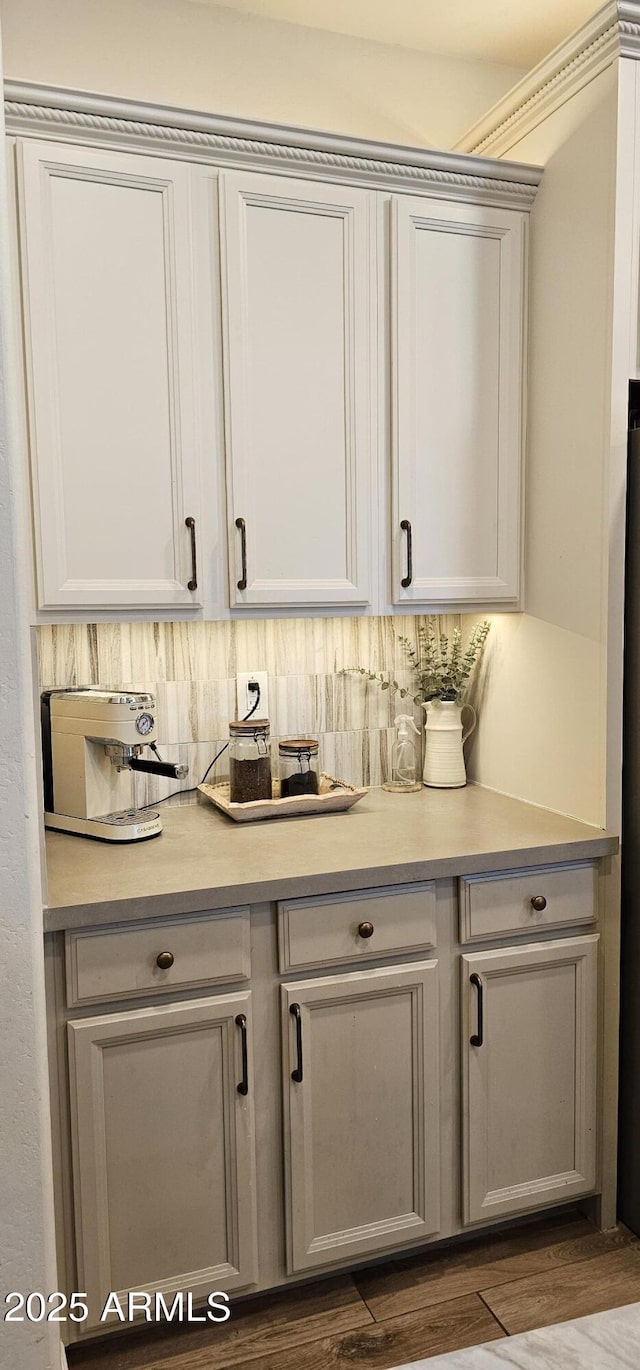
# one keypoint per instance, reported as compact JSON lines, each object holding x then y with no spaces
{"x":298,"y":764}
{"x":249,"y":761}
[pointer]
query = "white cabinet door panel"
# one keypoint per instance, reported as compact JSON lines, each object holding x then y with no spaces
{"x":362,"y":1124}
{"x":163,"y":1150}
{"x":297,"y":291}
{"x":529,"y":1082}
{"x":106,"y":255}
{"x":457,"y":350}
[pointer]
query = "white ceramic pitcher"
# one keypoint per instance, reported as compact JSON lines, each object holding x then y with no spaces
{"x":444,"y":736}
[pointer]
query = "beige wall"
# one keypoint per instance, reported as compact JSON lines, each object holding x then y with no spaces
{"x":26,"y":1187}
{"x":206,"y":57}
{"x":542,"y":734}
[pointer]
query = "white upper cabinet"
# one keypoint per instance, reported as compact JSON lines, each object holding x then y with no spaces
{"x":106,"y":260}
{"x":297,"y":274}
{"x":366,"y":383}
{"x":457,"y":283}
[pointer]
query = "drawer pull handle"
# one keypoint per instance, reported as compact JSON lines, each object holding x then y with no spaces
{"x":165,"y":960}
{"x":241,"y":1022}
{"x":365,"y":930}
{"x":297,"y":1073}
{"x":476,"y":1039}
{"x":241,"y":525}
{"x":192,"y":584}
{"x":406,"y":528}
{"x":538,"y":903}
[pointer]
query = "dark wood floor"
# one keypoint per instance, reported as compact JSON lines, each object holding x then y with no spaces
{"x":541,"y":1273}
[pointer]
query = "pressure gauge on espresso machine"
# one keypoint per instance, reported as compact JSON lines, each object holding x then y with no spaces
{"x":145,"y":724}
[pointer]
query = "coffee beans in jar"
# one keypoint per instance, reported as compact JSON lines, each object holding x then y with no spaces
{"x":298,"y":765}
{"x":249,"y":761}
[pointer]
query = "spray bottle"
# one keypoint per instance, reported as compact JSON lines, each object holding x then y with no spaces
{"x":403,"y":757}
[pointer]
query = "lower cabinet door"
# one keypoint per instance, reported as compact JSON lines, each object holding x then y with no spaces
{"x":529,"y":1025}
{"x":163,"y":1150}
{"x":361,"y":1079}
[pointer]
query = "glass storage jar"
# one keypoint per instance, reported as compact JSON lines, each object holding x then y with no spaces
{"x":298,"y":758}
{"x":249,"y":761}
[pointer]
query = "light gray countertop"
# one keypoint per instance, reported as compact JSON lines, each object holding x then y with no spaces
{"x":203,"y":860}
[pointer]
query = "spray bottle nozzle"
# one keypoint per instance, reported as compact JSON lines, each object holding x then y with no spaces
{"x":404,"y":722}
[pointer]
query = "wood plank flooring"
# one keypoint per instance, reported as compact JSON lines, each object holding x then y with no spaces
{"x":492,"y":1287}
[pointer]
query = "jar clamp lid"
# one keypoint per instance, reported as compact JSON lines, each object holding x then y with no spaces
{"x":291,"y":746}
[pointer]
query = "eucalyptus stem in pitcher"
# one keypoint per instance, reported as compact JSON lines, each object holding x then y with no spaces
{"x":441,"y":665}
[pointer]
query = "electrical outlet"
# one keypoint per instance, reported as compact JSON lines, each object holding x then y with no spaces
{"x":246,"y":698}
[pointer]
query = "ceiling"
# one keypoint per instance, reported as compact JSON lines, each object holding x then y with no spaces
{"x":516,"y":32}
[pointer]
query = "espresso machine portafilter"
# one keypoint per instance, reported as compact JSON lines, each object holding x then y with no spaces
{"x":92,"y":740}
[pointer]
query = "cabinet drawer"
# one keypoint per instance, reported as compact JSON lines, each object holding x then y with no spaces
{"x":122,"y":962}
{"x":523,"y":901}
{"x":331,"y":930}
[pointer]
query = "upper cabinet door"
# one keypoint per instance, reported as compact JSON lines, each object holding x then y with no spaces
{"x":106,"y":252}
{"x":457,"y":346}
{"x":297,"y":290}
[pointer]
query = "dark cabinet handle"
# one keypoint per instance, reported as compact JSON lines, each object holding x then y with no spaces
{"x":406,"y":528}
{"x":539,"y":903}
{"x":193,"y":583}
{"x":240,"y":523}
{"x":477,"y":1038}
{"x":241,"y":1022}
{"x":164,"y":960}
{"x":365,"y":929}
{"x":297,"y":1073}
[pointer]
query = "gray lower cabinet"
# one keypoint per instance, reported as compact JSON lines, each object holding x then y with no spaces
{"x":163,"y":1149}
{"x":385,"y":1099}
{"x":529,"y":1025}
{"x":361,"y":1102}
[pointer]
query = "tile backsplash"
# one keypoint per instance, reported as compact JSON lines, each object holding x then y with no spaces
{"x":191,"y":668}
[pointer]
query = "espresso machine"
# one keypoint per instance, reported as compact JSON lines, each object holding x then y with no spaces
{"x":92,"y":740}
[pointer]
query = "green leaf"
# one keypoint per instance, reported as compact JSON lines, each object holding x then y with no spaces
{"x":440,"y":665}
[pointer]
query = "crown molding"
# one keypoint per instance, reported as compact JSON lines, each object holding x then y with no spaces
{"x":629,"y":28}
{"x":34,"y":110}
{"x":612,"y":32}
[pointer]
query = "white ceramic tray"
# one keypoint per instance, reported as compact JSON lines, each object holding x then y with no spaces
{"x":334,"y":796}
